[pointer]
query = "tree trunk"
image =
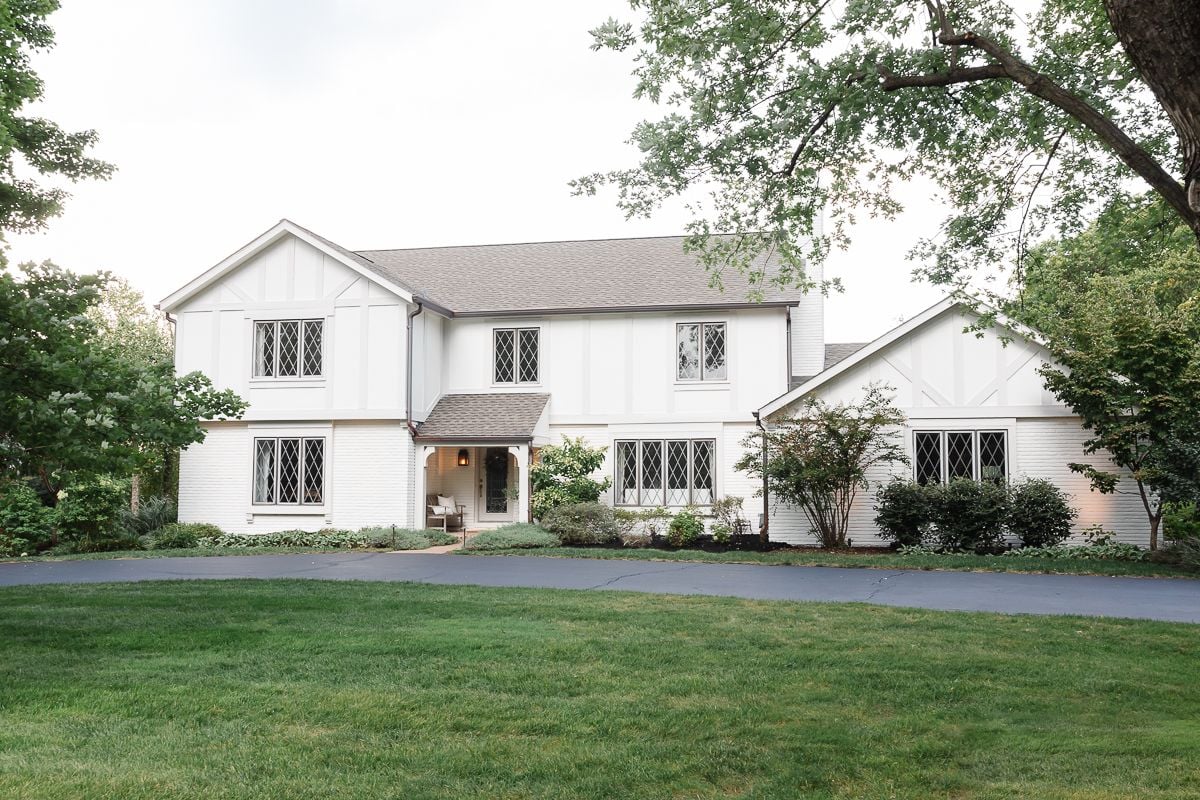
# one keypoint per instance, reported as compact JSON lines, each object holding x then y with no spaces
{"x":1162,"y":39}
{"x":1154,"y":523}
{"x":135,"y":493}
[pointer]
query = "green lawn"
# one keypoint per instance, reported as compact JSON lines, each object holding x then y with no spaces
{"x":882,"y":560}
{"x":294,"y":689}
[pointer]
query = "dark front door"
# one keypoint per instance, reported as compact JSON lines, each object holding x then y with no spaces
{"x":495,"y":482}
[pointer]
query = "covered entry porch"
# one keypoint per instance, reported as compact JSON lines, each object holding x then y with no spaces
{"x":474,"y":452}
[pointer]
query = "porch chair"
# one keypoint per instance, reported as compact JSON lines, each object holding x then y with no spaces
{"x":443,"y":512}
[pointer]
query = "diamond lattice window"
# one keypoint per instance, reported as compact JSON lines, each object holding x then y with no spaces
{"x":672,"y":473}
{"x":700,"y":351}
{"x":960,"y":454}
{"x":517,"y":355}
{"x":927,"y":451}
{"x":714,"y":351}
{"x":288,"y":348}
{"x":993,"y":456}
{"x":687,"y":348}
{"x":677,"y":473}
{"x":289,"y":471}
{"x":627,"y":462}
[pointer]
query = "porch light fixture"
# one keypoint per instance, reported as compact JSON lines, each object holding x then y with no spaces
{"x":464,"y":458}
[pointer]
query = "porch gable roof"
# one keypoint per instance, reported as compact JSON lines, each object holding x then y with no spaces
{"x":508,"y":416}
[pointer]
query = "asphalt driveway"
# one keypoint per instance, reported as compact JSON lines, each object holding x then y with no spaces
{"x":1173,"y":600}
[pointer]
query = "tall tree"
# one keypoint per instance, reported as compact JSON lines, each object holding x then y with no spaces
{"x":1025,"y":123}
{"x":31,"y":143}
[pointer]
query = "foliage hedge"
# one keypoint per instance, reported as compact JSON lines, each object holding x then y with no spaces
{"x":582,"y":524}
{"x":685,"y":529}
{"x":331,"y":538}
{"x":973,"y":516}
{"x":176,"y":535}
{"x":26,"y":524}
{"x":519,"y":535}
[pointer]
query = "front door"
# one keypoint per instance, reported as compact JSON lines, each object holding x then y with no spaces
{"x":494,"y":483}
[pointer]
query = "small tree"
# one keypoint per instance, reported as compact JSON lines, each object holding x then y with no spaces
{"x":563,"y":475}
{"x":820,"y":459}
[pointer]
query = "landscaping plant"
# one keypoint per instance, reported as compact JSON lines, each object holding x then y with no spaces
{"x":903,"y":512}
{"x":518,"y":536}
{"x":685,"y":529}
{"x":562,"y":475}
{"x":968,"y":515}
{"x":1039,"y":514}
{"x":582,"y":524}
{"x":26,"y":523}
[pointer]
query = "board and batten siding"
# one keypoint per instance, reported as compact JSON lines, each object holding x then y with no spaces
{"x":943,"y":379}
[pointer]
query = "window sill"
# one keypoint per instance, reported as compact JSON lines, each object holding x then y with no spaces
{"x":516,"y":385}
{"x":293,"y":511}
{"x":287,"y":383}
{"x":702,"y":386}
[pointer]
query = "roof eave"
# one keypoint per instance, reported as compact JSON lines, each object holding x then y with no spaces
{"x":544,"y":312}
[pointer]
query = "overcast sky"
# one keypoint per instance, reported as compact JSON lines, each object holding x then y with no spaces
{"x":375,"y":123}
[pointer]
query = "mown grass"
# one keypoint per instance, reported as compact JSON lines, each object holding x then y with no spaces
{"x":881,"y":560}
{"x":294,"y":689}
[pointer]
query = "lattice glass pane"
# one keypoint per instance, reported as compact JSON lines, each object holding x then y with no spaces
{"x":714,"y":352}
{"x":927,"y":449}
{"x":505,"y":369}
{"x":702,"y":473}
{"x":960,"y":454}
{"x":314,"y":471}
{"x":495,"y":482}
{"x":264,"y":349}
{"x":289,"y":470}
{"x":313,"y":334}
{"x":652,"y":474}
{"x":264,"y":470}
{"x":626,"y":458}
{"x":993,"y":456}
{"x":687,"y":349}
{"x":677,"y":473}
{"x":527,"y":361}
{"x":289,"y":348}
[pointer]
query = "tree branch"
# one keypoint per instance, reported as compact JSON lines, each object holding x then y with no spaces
{"x":892,"y":82}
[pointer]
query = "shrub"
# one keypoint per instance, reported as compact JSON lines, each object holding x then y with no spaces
{"x":1039,"y":514}
{"x":1181,"y":521}
{"x":181,"y":535}
{"x":968,"y":515}
{"x":727,"y":511}
{"x":333,"y":538}
{"x":685,"y":529}
{"x":26,"y":523}
{"x":152,"y":514}
{"x":563,"y":476}
{"x":582,"y":524}
{"x":397,"y":538}
{"x":519,"y":535}
{"x":903,"y":513}
{"x":1109,"y":551}
{"x":88,"y":516}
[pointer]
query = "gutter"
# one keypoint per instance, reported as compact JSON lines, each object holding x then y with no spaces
{"x":408,"y":367}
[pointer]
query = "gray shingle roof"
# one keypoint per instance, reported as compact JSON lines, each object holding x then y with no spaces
{"x":834,"y":352}
{"x":484,"y":416}
{"x":560,"y":276}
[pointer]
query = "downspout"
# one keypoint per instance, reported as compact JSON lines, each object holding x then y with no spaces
{"x":763,"y":534}
{"x":787,"y":369}
{"x":408,"y":366}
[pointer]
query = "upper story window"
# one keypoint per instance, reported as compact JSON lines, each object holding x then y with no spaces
{"x":941,"y":456}
{"x":516,"y":352}
{"x":289,"y":471}
{"x":700,"y":351}
{"x":288,"y":348}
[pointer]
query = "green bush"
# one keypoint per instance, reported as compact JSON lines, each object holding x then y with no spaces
{"x":333,"y":538}
{"x":181,"y":535}
{"x":582,"y":524}
{"x":968,"y":515}
{"x":562,"y":476}
{"x":26,"y":523}
{"x":1039,"y":514}
{"x":519,"y":535}
{"x":1109,"y":551}
{"x":152,"y":514}
{"x":903,"y":512}
{"x":685,"y":529}
{"x":1181,"y":521}
{"x":399,"y":538}
{"x":88,"y":517}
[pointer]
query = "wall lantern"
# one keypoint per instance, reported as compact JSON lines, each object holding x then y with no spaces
{"x":464,"y":458}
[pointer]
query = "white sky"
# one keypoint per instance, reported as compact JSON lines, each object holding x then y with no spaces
{"x":375,"y":123}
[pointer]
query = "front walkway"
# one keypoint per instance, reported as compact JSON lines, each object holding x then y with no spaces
{"x":1174,"y":600}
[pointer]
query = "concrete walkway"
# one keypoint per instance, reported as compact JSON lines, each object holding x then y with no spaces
{"x":1174,"y":600}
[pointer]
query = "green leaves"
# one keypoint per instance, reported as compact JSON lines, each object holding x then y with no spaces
{"x":562,"y":476}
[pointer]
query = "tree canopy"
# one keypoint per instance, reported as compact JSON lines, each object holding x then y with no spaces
{"x":32,"y":142}
{"x":75,"y":403}
{"x":1025,"y":123}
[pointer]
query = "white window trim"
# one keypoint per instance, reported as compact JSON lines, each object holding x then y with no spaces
{"x":299,"y":380}
{"x":516,"y":329}
{"x":975,"y":430}
{"x":691,"y":479}
{"x":701,"y":382}
{"x":301,"y":431}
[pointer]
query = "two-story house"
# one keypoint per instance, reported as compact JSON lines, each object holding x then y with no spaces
{"x":378,"y":378}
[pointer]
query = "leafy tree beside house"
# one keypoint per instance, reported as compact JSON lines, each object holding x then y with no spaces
{"x":821,"y":458}
{"x":563,"y":474}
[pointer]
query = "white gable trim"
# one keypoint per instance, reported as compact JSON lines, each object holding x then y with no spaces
{"x":282,"y":228}
{"x":927,"y":316}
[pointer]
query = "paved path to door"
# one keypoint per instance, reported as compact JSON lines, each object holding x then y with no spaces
{"x":1176,"y":600}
